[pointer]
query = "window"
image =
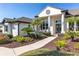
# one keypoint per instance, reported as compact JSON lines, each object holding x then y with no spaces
{"x":0,"y":26}
{"x":44,"y":25}
{"x":6,"y":28}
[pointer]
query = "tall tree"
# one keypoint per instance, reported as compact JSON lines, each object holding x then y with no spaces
{"x":36,"y":22}
{"x":71,"y":21}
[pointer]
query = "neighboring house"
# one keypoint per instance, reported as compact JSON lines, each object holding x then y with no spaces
{"x":54,"y":21}
{"x":14,"y":26}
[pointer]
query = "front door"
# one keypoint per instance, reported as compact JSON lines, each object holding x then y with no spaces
{"x":58,"y":26}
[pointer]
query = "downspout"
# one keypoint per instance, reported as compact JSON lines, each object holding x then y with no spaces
{"x":18,"y":28}
{"x":11,"y":28}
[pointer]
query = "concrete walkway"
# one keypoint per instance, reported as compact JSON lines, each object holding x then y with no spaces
{"x":6,"y":52}
{"x":19,"y":50}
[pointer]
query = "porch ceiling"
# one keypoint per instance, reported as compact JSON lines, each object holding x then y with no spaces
{"x":55,"y":17}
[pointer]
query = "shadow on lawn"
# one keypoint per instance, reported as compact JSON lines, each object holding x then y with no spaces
{"x":54,"y":53}
{"x":45,"y":52}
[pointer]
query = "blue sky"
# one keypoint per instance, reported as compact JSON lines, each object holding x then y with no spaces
{"x":30,"y":9}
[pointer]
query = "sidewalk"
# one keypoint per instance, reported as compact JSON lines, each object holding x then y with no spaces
{"x":33,"y":46}
{"x":19,"y":50}
{"x":6,"y":51}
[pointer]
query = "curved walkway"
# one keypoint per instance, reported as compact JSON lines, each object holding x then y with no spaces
{"x":19,"y":50}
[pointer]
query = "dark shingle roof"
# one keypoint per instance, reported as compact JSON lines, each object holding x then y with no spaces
{"x":25,"y":19}
{"x":74,"y":12}
{"x":21,"y":19}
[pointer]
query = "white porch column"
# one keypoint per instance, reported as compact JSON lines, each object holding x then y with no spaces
{"x":75,"y":26}
{"x":62,"y":23}
{"x":49,"y":22}
{"x":67,"y":26}
{"x":50,"y":27}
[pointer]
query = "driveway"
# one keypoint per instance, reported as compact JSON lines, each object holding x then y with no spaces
{"x":19,"y":50}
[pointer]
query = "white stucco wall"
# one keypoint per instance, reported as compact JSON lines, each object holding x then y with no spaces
{"x":15,"y":29}
{"x":9,"y":28}
{"x":53,"y":11}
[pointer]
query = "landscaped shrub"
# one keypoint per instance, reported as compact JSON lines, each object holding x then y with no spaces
{"x":37,"y":35}
{"x":77,"y":33}
{"x":46,"y":33}
{"x":27,"y":30}
{"x":60,"y":44}
{"x":22,"y":39}
{"x":19,"y":39}
{"x":33,"y":35}
{"x":66,"y":36}
{"x":76,"y":45}
{"x":74,"y":35}
{"x":10,"y":36}
{"x":70,"y":34}
{"x":4,"y":39}
{"x":28,"y":39}
{"x":41,"y":35}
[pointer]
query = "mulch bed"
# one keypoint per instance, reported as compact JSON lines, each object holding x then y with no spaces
{"x":17,"y":44}
{"x":51,"y":44}
{"x":68,"y":48}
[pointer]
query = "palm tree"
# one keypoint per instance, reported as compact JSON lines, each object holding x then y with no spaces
{"x":36,"y":22}
{"x":71,"y":21}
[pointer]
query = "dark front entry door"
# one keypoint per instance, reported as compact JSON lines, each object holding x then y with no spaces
{"x":58,"y":28}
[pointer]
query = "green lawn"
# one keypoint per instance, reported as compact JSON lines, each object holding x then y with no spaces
{"x":44,"y":52}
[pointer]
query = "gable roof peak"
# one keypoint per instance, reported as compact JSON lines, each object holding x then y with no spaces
{"x":53,"y":7}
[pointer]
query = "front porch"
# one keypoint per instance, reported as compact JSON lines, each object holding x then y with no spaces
{"x":53,"y":24}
